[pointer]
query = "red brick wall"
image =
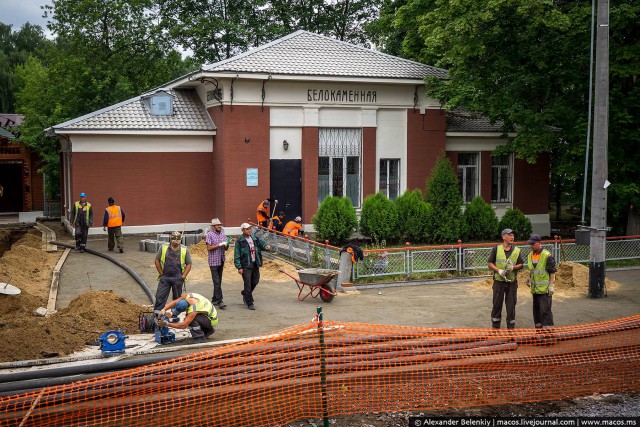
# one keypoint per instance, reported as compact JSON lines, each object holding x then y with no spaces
{"x":152,"y":188}
{"x":369,"y":166}
{"x":310,"y":145}
{"x":531,"y":186}
{"x":425,"y":142}
{"x":234,"y":126}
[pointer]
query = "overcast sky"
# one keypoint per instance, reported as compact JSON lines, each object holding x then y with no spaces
{"x":18,"y":12}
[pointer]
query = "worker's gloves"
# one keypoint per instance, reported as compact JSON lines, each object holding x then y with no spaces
{"x":501,"y":272}
{"x":162,"y":323}
{"x":509,"y":267}
{"x":224,"y":244}
{"x":551,"y":290}
{"x":162,"y":312}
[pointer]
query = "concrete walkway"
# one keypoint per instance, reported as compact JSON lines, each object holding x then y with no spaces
{"x":459,"y":304}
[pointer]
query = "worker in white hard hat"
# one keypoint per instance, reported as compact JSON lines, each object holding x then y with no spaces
{"x":294,"y":228}
{"x":248,"y":260}
{"x":173,"y":262}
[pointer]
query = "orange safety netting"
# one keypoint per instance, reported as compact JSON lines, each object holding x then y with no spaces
{"x":368,"y":368}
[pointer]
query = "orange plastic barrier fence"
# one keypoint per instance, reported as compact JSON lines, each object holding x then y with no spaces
{"x":367,"y":368}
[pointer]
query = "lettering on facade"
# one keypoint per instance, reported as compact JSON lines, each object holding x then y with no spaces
{"x":329,"y":95}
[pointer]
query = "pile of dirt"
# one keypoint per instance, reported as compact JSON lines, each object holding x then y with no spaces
{"x":270,"y":269}
{"x":90,"y":315}
{"x":572,"y":280}
{"x":28,"y":267}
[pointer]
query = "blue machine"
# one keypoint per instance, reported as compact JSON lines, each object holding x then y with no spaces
{"x":112,"y":342}
{"x":164,"y":335}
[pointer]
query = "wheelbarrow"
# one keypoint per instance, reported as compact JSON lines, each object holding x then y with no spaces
{"x":318,"y":281}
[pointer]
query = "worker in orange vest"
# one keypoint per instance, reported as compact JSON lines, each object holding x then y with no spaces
{"x":113,"y":219}
{"x":263,"y":212}
{"x":294,"y":228}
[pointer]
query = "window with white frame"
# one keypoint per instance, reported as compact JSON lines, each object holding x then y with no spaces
{"x":501,"y":177}
{"x":390,"y":178}
{"x":339,"y":164}
{"x":468,"y":175}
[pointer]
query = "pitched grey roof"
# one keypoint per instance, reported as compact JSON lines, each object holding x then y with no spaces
{"x":308,"y":54}
{"x":463,"y":121}
{"x":6,"y":134}
{"x":189,"y":114}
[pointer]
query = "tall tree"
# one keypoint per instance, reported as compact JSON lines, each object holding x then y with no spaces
{"x":15,"y":48}
{"x":526,"y":63}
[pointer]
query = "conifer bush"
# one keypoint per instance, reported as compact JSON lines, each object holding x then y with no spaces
{"x":414,"y":217}
{"x":335,"y":220}
{"x":481,"y":221}
{"x":379,"y":218}
{"x":443,"y":193}
{"x":515,"y":220}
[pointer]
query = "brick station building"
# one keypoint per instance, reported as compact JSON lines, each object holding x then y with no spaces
{"x":297,"y":119}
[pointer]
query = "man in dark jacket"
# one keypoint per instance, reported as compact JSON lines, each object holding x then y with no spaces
{"x":247,"y":258}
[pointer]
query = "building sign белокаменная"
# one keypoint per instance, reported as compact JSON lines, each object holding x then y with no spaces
{"x":341,"y":95}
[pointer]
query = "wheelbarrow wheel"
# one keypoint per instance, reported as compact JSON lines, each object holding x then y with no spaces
{"x":327,"y":292}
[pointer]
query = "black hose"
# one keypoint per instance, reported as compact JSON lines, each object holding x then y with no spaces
{"x":133,"y":274}
{"x":37,"y":379}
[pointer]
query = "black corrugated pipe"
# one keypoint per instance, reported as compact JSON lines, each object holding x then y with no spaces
{"x":133,"y":274}
{"x":20,"y":381}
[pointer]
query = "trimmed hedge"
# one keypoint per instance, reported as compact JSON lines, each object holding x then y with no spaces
{"x":379,"y":218}
{"x":335,"y":220}
{"x":515,"y":220}
{"x":414,"y":217}
{"x":443,"y":194}
{"x":481,"y":221}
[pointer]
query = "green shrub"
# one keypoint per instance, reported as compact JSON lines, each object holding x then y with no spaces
{"x":335,"y":220}
{"x":379,"y":218}
{"x":481,"y":221}
{"x":515,"y":220}
{"x":414,"y":217}
{"x":443,"y":194}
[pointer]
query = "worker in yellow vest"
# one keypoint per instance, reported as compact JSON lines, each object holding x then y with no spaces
{"x":173,"y":263}
{"x":542,"y":267}
{"x":82,"y":221}
{"x":112,"y":221}
{"x":505,"y":260}
{"x":201,"y":317}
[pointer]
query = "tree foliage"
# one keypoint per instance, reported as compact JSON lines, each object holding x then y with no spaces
{"x":335,"y":220}
{"x":443,"y":194}
{"x":526,"y":64}
{"x":379,"y":218}
{"x":219,"y":29}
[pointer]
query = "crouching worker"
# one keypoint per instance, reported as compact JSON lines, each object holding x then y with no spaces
{"x":201,"y":315}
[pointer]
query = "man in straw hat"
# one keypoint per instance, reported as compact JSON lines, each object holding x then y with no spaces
{"x":217,"y":245}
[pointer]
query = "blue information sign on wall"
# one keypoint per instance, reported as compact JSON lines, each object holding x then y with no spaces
{"x":252,"y":177}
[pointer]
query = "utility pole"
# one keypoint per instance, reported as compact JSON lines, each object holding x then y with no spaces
{"x":599,"y":182}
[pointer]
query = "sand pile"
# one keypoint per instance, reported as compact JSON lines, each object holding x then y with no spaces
{"x":572,"y":280}
{"x":90,"y":315}
{"x":268,"y":271}
{"x":28,"y":267}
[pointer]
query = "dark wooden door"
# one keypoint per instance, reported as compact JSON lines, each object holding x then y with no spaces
{"x":11,"y":187}
{"x":286,"y":187}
